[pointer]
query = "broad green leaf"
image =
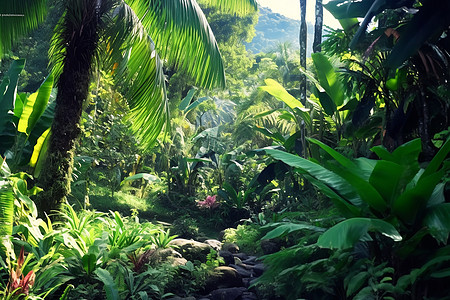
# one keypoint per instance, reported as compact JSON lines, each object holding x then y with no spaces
{"x":231,"y":192}
{"x":277,"y":90}
{"x":282,"y":229}
{"x":435,"y":163}
{"x":327,"y":103}
{"x":145,"y":176}
{"x":331,"y":179}
{"x":186,"y":100}
{"x":344,"y":161}
{"x":7,"y":100}
{"x":35,"y":106}
{"x":437,"y":220}
{"x":40,"y":153}
{"x":329,"y":80}
{"x":356,"y":282}
{"x":347,"y":209}
{"x":196,"y":103}
{"x":386,"y":178}
{"x":110,"y":286}
{"x":409,"y":203}
{"x":347,"y":233}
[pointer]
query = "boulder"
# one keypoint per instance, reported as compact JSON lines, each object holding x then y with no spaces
{"x":232,"y":247}
{"x":191,"y":250}
{"x":167,"y":255}
{"x":228,"y":293}
{"x":223,"y":277}
{"x":242,"y":271}
{"x":227,"y":257}
{"x":215,"y":244}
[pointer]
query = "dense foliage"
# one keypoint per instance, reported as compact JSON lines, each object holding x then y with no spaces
{"x":342,"y":193}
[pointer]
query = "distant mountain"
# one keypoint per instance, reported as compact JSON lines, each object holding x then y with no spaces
{"x":274,"y":28}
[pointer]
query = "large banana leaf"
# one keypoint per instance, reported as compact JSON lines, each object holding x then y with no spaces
{"x":8,"y":92}
{"x":327,"y":177}
{"x":347,"y":233}
{"x":277,"y":90}
{"x":35,"y":106}
{"x":329,"y":81}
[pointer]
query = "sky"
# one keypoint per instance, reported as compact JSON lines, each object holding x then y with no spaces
{"x":291,"y":9}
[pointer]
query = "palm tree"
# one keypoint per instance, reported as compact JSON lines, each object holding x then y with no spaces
{"x":318,"y":26}
{"x":302,"y":39}
{"x":127,"y":37}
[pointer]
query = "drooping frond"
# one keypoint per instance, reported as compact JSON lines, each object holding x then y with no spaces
{"x":183,"y":37}
{"x":137,"y":66}
{"x":238,"y":7}
{"x":17,"y":18}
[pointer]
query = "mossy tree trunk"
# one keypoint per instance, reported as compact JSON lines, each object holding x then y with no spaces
{"x":318,"y":27}
{"x":79,"y":34}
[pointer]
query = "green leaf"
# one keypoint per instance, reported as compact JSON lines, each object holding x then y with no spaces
{"x":437,"y":220}
{"x":39,"y":153}
{"x":282,"y":229}
{"x":7,"y":100}
{"x":356,"y":282}
{"x":347,"y":233}
{"x":329,"y":178}
{"x":35,"y":106}
{"x":435,"y":163}
{"x":409,"y":203}
{"x":277,"y":90}
{"x":329,"y":80}
{"x":196,"y":103}
{"x":110,"y":286}
{"x":186,"y":100}
{"x":386,"y":178}
{"x":145,"y":176}
{"x":240,"y":8}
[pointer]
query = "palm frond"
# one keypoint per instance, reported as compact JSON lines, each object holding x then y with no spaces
{"x":136,"y":64}
{"x":238,"y":7}
{"x":183,"y":37}
{"x":17,"y":18}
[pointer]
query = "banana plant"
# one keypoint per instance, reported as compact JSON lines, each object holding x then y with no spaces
{"x":392,"y":195}
{"x":25,"y":119}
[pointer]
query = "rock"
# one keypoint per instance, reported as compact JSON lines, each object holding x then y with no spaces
{"x":237,"y":261}
{"x":249,"y":296}
{"x":227,"y":257}
{"x":215,"y":244}
{"x":251,"y":260}
{"x":258,"y":269}
{"x":167,"y":255}
{"x":241,"y":256}
{"x":191,"y":250}
{"x":181,"y":298}
{"x":228,"y":294}
{"x":223,"y":277}
{"x":242,"y":271}
{"x":270,"y":246}
{"x":233,"y":248}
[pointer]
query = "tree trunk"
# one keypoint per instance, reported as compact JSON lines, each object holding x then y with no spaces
{"x":318,"y":27}
{"x":79,"y":34}
{"x":302,"y":39}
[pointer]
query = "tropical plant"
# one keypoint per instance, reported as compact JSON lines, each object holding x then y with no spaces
{"x":392,"y":196}
{"x":24,"y":132}
{"x":113,"y":27}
